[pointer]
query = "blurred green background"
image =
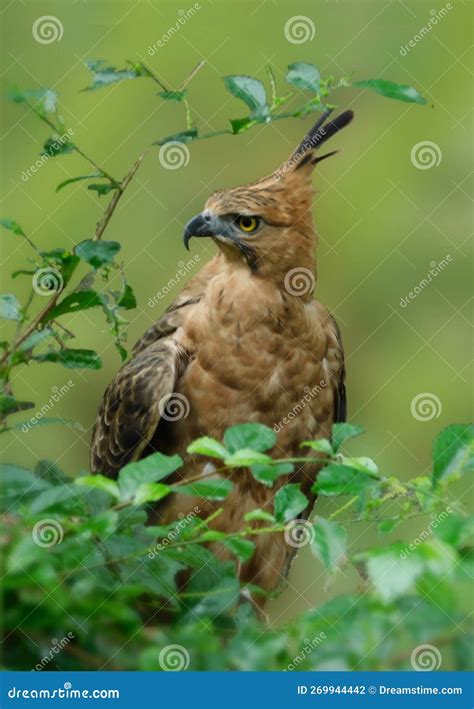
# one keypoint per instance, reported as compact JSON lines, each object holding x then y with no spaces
{"x":381,"y":221}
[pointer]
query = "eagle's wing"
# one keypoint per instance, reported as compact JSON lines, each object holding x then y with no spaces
{"x":133,"y":403}
{"x":132,"y":406}
{"x":340,"y":405}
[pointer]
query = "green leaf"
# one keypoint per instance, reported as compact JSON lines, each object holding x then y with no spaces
{"x":99,"y":482}
{"x":17,"y":482}
{"x":259,"y":515}
{"x":240,"y":125}
{"x":45,"y":97}
{"x":9,"y":405}
{"x":72,"y":358}
{"x":249,"y":435}
{"x":267,"y":473}
{"x":362,"y":464}
{"x":97,"y":253}
{"x":73,"y":303}
{"x":390,"y":89}
{"x":173,"y":95}
{"x":65,"y":260}
{"x":102,"y":525}
{"x":103,"y":189}
{"x":342,"y":431}
{"x":453,"y":529}
{"x":208,"y":446}
{"x":243,"y":549}
{"x":71,"y":180}
{"x":13,"y":226}
{"x":23,"y":272}
{"x":56,"y":146}
{"x":127,"y":300}
{"x":212,"y":535}
{"x":289,"y":502}
{"x":10,"y":308}
{"x":395,"y":569}
{"x":219,"y":600}
{"x":322,"y":445}
{"x":186,"y":136}
{"x":304,"y":76}
{"x":43,"y":421}
{"x":35,"y":339}
{"x":152,"y":469}
{"x":329,"y":543}
{"x":251,"y":92}
{"x":105,"y":75}
{"x":63,"y":498}
{"x":245,"y":457}
{"x":336,"y":479}
{"x":151,"y":492}
{"x":209,"y":489}
{"x":453,"y":452}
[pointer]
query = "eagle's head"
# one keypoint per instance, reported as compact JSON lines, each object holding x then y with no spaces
{"x":267,"y":225}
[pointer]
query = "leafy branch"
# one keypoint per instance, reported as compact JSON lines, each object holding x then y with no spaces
{"x":100,"y":549}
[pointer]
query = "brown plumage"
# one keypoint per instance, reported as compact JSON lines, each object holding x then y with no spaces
{"x":244,"y":341}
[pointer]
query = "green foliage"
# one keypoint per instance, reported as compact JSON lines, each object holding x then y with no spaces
{"x":389,"y":89}
{"x":329,"y":542}
{"x":105,"y":75}
{"x":289,"y":502}
{"x":453,"y":452}
{"x":304,"y":76}
{"x":10,"y":308}
{"x":74,"y":546}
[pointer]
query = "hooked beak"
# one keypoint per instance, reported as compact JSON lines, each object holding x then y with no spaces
{"x":200,"y":225}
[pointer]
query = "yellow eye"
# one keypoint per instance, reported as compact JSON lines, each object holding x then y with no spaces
{"x":247,"y":224}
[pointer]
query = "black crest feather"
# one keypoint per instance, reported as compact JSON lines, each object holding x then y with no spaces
{"x":319,"y":134}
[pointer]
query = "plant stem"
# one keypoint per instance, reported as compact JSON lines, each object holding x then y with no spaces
{"x":94,"y":164}
{"x":102,"y":224}
{"x":191,"y":76}
{"x":344,"y":507}
{"x":154,"y":77}
{"x":33,"y":325}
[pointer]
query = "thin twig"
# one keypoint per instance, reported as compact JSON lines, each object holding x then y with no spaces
{"x":102,"y":224}
{"x":191,"y":76}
